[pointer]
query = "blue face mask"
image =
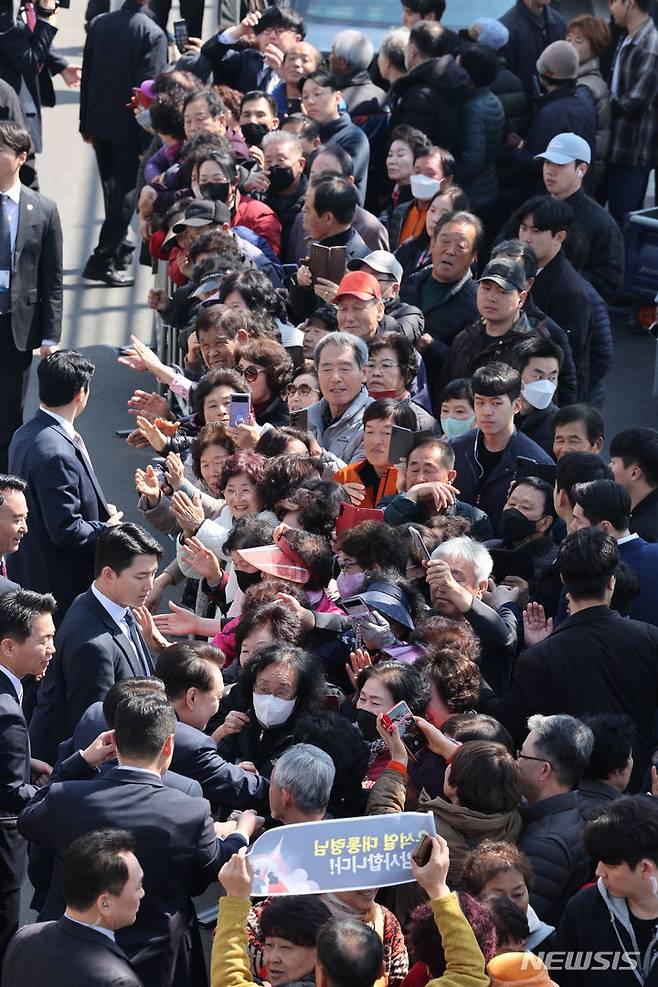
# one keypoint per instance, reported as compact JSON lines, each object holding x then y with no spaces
{"x":452,"y":428}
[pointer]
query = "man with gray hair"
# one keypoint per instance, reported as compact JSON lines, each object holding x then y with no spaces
{"x":392,"y":52}
{"x":300,"y":785}
{"x":337,"y":418}
{"x":351,"y":54}
{"x":283,"y":179}
{"x":458,"y":578}
{"x":551,"y":763}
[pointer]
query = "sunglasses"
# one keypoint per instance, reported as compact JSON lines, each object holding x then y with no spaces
{"x":251,"y":373}
{"x":303,"y":390}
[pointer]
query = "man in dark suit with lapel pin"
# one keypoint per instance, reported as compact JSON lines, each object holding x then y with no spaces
{"x":176,"y":841}
{"x":99,"y":641}
{"x":67,"y":506}
{"x":26,"y":648}
{"x":13,"y":523}
{"x":30,"y":279}
{"x":102,"y":886}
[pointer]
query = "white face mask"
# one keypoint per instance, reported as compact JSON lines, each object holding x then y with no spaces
{"x":539,"y":393}
{"x":424,"y":188}
{"x":271,"y":711}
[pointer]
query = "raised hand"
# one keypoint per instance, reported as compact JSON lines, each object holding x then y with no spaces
{"x":147,"y":485}
{"x":175,"y":470}
{"x":152,"y":433}
{"x":536,"y":627}
{"x":202,"y":560}
{"x":189,"y":513}
{"x":179,"y":622}
{"x":359,"y":660}
{"x":151,"y":405}
{"x":433,"y":876}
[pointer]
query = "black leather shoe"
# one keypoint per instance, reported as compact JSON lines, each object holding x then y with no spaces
{"x":95,"y":271}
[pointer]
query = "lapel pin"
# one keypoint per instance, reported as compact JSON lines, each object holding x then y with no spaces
{"x":30,"y":206}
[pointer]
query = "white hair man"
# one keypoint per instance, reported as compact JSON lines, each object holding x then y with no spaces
{"x":300,"y":785}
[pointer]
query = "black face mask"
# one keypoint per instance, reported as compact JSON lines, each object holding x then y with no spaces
{"x":367,"y":724}
{"x":246,"y":579}
{"x":253,"y":133}
{"x":215,"y":191}
{"x":280,"y":178}
{"x":514,"y":526}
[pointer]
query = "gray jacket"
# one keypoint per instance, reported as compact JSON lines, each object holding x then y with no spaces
{"x":342,"y":438}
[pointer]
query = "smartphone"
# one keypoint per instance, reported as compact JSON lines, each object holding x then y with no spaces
{"x":299,"y":419}
{"x":289,"y":275}
{"x":410,"y":733}
{"x":401,"y":444}
{"x":293,"y":105}
{"x":181,"y":35}
{"x":511,"y":562}
{"x":355,"y":609}
{"x":239,"y":409}
{"x":423,"y":851}
{"x":327,"y":262}
{"x":529,"y":467}
{"x":420,"y":545}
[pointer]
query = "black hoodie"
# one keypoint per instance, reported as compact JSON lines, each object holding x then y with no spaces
{"x":429,"y":98}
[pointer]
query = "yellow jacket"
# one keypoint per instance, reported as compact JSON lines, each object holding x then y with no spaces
{"x":229,"y":962}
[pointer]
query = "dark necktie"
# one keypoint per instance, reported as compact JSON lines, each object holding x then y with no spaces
{"x":5,"y":257}
{"x":3,"y":567}
{"x":138,"y":643}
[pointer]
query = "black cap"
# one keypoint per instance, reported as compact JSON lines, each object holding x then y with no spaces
{"x":507,"y":273}
{"x":202,"y":212}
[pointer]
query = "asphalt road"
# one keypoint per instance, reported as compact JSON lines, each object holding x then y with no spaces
{"x":98,"y":319}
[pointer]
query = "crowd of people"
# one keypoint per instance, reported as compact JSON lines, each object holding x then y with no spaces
{"x":375,"y":463}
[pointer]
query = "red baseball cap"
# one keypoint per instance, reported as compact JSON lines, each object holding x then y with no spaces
{"x":361,"y":285}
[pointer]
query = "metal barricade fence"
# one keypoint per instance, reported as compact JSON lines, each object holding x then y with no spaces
{"x":165,"y":337}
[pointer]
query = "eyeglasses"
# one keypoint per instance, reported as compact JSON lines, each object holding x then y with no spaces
{"x":303,"y":390}
{"x":346,"y":566}
{"x":529,"y":757}
{"x":251,"y":373}
{"x":385,"y":365}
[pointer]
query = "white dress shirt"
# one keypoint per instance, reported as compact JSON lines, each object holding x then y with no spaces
{"x":12,"y":206}
{"x":15,"y":681}
{"x":64,"y":422}
{"x":87,"y":925}
{"x":117,"y":613}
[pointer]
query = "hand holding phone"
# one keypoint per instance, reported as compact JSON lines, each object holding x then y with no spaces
{"x":181,"y":35}
{"x":239,"y":409}
{"x":409,"y":731}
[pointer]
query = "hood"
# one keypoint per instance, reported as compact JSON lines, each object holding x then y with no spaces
{"x":590,"y":68}
{"x":355,"y":79}
{"x":476,"y":825}
{"x":442,"y":74}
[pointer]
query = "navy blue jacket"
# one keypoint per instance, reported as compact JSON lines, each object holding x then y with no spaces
{"x":353,"y":140}
{"x":528,"y":36}
{"x":569,"y":109}
{"x":492,"y":495}
{"x":92,"y":654}
{"x":482,"y":125}
{"x":195,"y":756}
{"x":67,"y":511}
{"x":601,"y":346}
{"x":443,"y":321}
{"x":66,"y":954}
{"x":175,"y":845}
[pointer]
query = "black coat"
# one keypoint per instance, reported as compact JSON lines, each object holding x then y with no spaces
{"x":409,"y":320}
{"x":551,"y":838}
{"x":600,"y":236}
{"x":644,"y":517}
{"x":538,"y":426}
{"x":123,"y":49}
{"x":66,"y":954}
{"x":528,"y":36}
{"x":67,"y":511}
{"x":596,"y":924}
{"x":92,"y":654}
{"x":444,"y":321}
{"x":560,"y":293}
{"x":567,"y":388}
{"x":175,"y":845}
{"x":22,"y":52}
{"x":362,"y":97}
{"x":594,"y":662}
{"x":238,"y":69}
{"x":401,"y":510}
{"x":428,"y":98}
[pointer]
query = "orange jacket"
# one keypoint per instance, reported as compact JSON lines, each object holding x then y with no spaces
{"x":353,"y":473}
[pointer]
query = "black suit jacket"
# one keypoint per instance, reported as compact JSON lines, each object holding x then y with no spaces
{"x":15,"y":788}
{"x":123,"y":48}
{"x":175,"y":845}
{"x":67,"y":511}
{"x":36,"y":281}
{"x":22,"y":52}
{"x":238,"y":69}
{"x":195,"y":757}
{"x":6,"y":585}
{"x":92,"y":654}
{"x":66,"y":954}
